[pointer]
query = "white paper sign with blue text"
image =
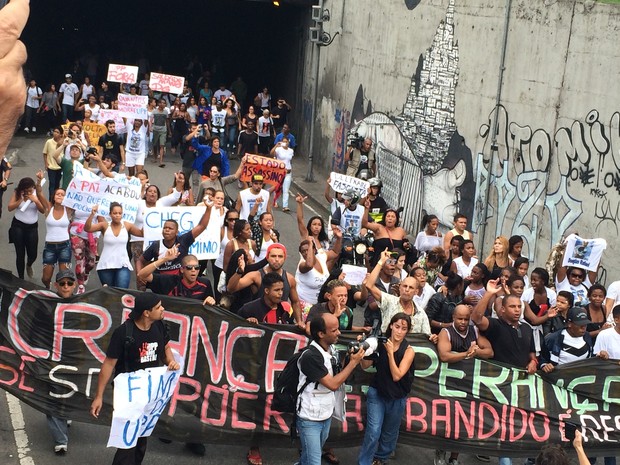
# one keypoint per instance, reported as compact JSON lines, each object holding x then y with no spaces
{"x":140,"y":398}
{"x":206,"y":246}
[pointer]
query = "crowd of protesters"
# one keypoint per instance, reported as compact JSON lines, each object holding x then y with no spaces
{"x":505,"y":307}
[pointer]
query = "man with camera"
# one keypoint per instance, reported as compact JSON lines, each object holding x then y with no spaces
{"x":318,"y":402}
{"x":360,"y":158}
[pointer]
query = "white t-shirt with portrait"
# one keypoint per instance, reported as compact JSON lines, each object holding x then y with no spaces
{"x":69,"y":92}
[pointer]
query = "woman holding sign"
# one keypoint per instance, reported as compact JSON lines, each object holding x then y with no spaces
{"x":114,"y":265}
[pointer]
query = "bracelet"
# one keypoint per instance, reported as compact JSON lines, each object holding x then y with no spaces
{"x":379,"y":263}
{"x":239,"y":271}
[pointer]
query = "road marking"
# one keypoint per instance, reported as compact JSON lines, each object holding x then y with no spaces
{"x":316,"y":213}
{"x":19,"y":430}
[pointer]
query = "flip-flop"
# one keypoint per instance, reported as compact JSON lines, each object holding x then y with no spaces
{"x":254,"y":457}
{"x":161,"y":165}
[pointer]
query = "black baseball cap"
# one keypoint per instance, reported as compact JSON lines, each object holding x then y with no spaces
{"x":578,"y":316}
{"x":142,"y":302}
{"x":65,"y":274}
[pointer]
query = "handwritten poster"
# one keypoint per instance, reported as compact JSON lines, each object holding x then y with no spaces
{"x":166,"y":83}
{"x":272,"y":170}
{"x":205,"y":247}
{"x":140,"y":398}
{"x":342,"y":183}
{"x":87,"y":189}
{"x":133,"y":106}
{"x":122,"y":73}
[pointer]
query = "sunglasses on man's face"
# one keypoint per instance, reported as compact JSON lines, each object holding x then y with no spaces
{"x":192,"y":267}
{"x":66,"y":283}
{"x":578,"y":275}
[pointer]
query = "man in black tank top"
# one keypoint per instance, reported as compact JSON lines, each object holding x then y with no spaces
{"x":460,"y":341}
{"x":276,"y":256}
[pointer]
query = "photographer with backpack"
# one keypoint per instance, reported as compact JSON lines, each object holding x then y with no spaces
{"x":320,"y":376}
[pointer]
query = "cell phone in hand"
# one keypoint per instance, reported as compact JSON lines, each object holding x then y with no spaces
{"x":570,"y":429}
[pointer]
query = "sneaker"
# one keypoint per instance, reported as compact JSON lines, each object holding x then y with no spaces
{"x":81,"y":289}
{"x":69,"y":423}
{"x":60,"y":449}
{"x":196,"y":448}
{"x":440,"y":457}
{"x":26,"y":130}
{"x":286,"y":210}
{"x":483,"y":458}
{"x":29,"y":271}
{"x":377,"y":462}
{"x":34,"y":129}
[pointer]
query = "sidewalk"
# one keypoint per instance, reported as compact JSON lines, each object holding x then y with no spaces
{"x":313,"y":190}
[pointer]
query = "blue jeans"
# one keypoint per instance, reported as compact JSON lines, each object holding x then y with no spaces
{"x":505,"y":461}
{"x":115,"y":277}
{"x":231,"y":139}
{"x":312,"y":435}
{"x":58,"y":428}
{"x":286,"y":186}
{"x":383,"y":418}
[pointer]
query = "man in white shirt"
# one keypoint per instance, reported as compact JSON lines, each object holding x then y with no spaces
{"x":33,"y":97}
{"x":67,"y":93}
{"x":247,"y":198}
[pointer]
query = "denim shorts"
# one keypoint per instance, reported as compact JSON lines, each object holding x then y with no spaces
{"x":57,"y":252}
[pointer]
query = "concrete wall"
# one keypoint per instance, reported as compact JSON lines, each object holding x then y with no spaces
{"x":432,"y":67}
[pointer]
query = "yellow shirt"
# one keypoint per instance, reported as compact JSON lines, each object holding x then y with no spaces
{"x":48,"y":150}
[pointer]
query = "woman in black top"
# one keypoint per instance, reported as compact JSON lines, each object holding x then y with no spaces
{"x":596,"y":310}
{"x":388,"y":392}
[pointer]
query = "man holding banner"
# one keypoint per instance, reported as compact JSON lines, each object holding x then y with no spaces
{"x":140,"y":342}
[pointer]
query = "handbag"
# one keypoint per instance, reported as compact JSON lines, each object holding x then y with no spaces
{"x":229,"y":202}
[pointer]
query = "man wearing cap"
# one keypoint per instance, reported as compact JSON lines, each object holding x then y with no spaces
{"x":276,"y":256}
{"x":186,"y":283}
{"x":569,"y":344}
{"x":148,"y":347}
{"x":68,"y":95}
{"x":350,"y":218}
{"x":65,"y":286}
{"x":252,"y":195}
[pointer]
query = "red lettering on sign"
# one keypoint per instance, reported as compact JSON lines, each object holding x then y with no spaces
{"x":271,"y":364}
{"x":215,"y":363}
{"x":355,"y":413}
{"x":12,"y":323}
{"x":468,"y":422}
{"x":87,"y":335}
{"x":277,"y":416}
{"x":419,"y":418}
{"x":190,"y":397}
{"x":481,"y":418}
{"x":239,"y":382}
{"x":235,"y":421}
{"x":8,"y":368}
{"x":204,"y":411}
{"x":544,"y":437}
{"x":437,"y":417}
{"x":22,"y":386}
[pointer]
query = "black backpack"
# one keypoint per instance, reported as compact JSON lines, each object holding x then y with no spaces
{"x":285,"y":393}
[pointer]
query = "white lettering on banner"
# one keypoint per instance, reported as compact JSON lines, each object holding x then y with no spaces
{"x":205,"y":247}
{"x":140,"y":398}
{"x":166,"y":83}
{"x":87,"y":189}
{"x":342,"y":182}
{"x":583,"y":253}
{"x":133,"y":106}
{"x":122,"y":73}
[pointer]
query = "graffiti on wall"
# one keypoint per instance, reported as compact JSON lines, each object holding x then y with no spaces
{"x":421,"y":157}
{"x":543,"y":182}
